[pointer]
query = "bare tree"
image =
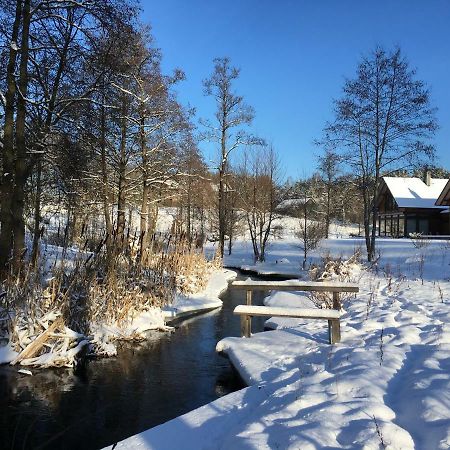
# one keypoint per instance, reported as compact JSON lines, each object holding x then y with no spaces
{"x":258,"y":182}
{"x":231,"y":114}
{"x":329,"y":169}
{"x":311,"y":231}
{"x":44,"y":40}
{"x":383,"y":122}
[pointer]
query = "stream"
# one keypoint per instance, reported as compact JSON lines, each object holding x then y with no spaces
{"x":109,"y":399}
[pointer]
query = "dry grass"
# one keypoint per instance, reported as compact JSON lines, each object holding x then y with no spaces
{"x":90,"y":291}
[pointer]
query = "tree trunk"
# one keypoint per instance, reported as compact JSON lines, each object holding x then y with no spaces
{"x":230,"y":241}
{"x":105,"y":191}
{"x":222,"y":223}
{"x":121,"y":195}
{"x":45,"y":131}
{"x":37,"y":214}
{"x":7,"y":183}
{"x":144,"y":220}
{"x":222,"y":173}
{"x":21,"y":167}
{"x":327,"y":218}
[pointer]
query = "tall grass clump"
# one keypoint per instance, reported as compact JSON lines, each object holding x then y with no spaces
{"x":109,"y":286}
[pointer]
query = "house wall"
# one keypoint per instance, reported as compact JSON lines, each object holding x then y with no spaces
{"x":402,"y":224}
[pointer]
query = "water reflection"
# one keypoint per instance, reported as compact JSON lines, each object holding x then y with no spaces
{"x":147,"y":384}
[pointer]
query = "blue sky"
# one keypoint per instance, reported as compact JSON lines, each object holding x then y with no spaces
{"x":294,"y":57}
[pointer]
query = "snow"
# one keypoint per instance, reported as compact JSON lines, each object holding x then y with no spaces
{"x":385,"y":385}
{"x":7,"y":354}
{"x":103,"y":334}
{"x":414,"y":193}
{"x":202,"y":301}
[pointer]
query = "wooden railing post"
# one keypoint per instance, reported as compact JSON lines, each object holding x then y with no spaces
{"x":249,"y":297}
{"x":334,"y":331}
{"x":246,"y":326}
{"x":336,"y":301}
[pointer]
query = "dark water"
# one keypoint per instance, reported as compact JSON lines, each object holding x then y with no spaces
{"x":110,"y":399}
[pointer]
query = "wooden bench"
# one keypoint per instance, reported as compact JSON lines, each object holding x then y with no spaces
{"x":293,"y":285}
{"x":332,"y":315}
{"x":248,"y":311}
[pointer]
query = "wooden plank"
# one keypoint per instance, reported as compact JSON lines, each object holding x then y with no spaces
{"x":33,"y":347}
{"x":292,"y":285}
{"x":304,"y":313}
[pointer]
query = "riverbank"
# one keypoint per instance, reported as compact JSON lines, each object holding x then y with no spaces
{"x":384,"y":385}
{"x":206,"y":300}
{"x":104,"y":335}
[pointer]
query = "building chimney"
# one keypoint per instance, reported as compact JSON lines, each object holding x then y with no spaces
{"x":428,"y":178}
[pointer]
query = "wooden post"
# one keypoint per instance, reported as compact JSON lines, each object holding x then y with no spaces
{"x":336,"y":301}
{"x":334,"y":331}
{"x":243,"y":325}
{"x":334,"y":326}
{"x":246,"y":326}
{"x":249,"y":297}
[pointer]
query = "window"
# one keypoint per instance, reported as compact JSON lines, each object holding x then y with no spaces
{"x":401,"y":226}
{"x":424,"y":226}
{"x":411,"y":225}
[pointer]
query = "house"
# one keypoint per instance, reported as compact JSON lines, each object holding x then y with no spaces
{"x":292,"y":206}
{"x":409,"y":205}
{"x":444,"y":197}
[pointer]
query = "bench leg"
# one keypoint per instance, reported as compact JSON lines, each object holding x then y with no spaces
{"x":334,"y":331}
{"x":246,"y":326}
{"x":336,"y":301}
{"x":249,"y":297}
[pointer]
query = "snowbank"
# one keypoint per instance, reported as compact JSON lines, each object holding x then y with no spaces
{"x":202,"y":301}
{"x":104,"y":335}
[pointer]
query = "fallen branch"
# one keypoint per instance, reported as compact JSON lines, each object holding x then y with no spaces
{"x":31,"y":349}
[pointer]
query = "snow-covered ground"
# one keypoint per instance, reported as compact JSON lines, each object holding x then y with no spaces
{"x":385,"y":385}
{"x":284,"y":252}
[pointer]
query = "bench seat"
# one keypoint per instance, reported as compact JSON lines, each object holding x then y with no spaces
{"x":248,"y":311}
{"x":304,"y":313}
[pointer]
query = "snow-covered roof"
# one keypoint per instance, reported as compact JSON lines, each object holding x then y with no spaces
{"x":444,"y":196}
{"x":294,"y":202}
{"x":414,"y":193}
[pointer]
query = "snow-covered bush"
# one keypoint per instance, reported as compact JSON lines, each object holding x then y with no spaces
{"x":331,"y":269}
